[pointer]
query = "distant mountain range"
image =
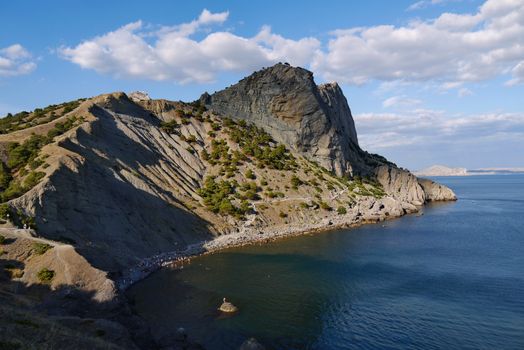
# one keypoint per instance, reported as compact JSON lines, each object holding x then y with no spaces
{"x":442,"y":170}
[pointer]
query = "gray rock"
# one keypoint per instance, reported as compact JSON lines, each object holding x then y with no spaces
{"x":401,"y":184}
{"x":436,"y":192}
{"x":313,"y":120}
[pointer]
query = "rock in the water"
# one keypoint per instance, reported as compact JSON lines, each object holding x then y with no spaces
{"x":227,"y":307}
{"x":251,"y":344}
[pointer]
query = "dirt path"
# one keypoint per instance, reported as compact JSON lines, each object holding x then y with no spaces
{"x":28,"y":234}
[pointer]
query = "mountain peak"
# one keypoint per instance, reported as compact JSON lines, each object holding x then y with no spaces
{"x":313,"y":120}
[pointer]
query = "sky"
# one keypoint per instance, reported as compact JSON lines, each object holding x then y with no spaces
{"x":428,"y":82}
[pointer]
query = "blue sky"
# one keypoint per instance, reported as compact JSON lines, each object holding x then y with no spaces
{"x":429,"y":82}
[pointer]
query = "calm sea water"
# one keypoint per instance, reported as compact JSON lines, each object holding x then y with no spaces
{"x":452,"y":278}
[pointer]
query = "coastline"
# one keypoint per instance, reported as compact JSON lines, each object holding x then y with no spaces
{"x":362,"y":214}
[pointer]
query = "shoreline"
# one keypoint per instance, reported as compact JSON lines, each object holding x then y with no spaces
{"x":252,"y":235}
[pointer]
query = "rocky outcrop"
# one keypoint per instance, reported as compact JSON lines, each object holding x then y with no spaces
{"x":401,"y":184}
{"x":316,"y":122}
{"x":313,"y":120}
{"x":435,"y":191}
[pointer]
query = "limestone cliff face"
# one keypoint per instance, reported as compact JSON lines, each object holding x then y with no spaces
{"x":286,"y":102}
{"x":402,"y":184}
{"x":435,"y":191}
{"x":315,"y":121}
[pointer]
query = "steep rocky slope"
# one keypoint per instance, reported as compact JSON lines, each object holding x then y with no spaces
{"x":314,"y":121}
{"x":118,"y":184}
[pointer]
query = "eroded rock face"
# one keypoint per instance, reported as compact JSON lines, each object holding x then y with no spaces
{"x":435,"y":191}
{"x":401,"y":184}
{"x":313,"y":120}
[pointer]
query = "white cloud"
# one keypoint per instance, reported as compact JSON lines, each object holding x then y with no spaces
{"x":379,"y":131}
{"x":175,"y":55}
{"x":400,"y":102}
{"x":463,"y":92}
{"x":15,"y":60}
{"x":454,"y":48}
{"x":426,"y":3}
{"x":448,"y":51}
{"x":518,"y":74}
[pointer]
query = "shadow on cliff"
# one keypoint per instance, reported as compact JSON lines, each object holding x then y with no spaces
{"x":112,"y":222}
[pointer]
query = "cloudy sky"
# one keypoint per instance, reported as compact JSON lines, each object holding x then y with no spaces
{"x":429,"y":81}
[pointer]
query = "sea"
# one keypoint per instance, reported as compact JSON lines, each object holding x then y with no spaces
{"x":449,"y":277}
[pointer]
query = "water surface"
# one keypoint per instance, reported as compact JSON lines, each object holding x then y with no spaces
{"x":452,"y":278}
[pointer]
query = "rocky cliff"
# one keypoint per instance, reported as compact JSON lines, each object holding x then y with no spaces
{"x":316,"y":122}
{"x":313,"y":120}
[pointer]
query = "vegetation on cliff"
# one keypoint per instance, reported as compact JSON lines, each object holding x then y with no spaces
{"x":18,"y":173}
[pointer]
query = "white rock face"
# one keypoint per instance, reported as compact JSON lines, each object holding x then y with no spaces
{"x":441,"y":170}
{"x":435,"y":191}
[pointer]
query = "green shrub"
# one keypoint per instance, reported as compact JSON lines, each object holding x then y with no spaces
{"x":250,"y":174}
{"x":35,"y":163}
{"x":2,"y":239}
{"x":5,"y":176}
{"x":295,"y":181}
{"x":191,"y":139}
{"x":204,"y":155}
{"x":20,"y":154}
{"x":282,"y":215}
{"x":341,"y":210}
{"x":325,"y":206}
{"x":32,"y":179}
{"x":252,"y":195}
{"x":270,"y":194}
{"x":41,"y":248}
{"x":225,"y":207}
{"x":5,"y":210}
{"x":245,"y":207}
{"x":45,"y":275}
{"x":217,"y":197}
{"x":170,"y":127}
{"x":13,"y":191}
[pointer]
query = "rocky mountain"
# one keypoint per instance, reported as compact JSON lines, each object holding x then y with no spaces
{"x":115,"y":185}
{"x":314,"y":121}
